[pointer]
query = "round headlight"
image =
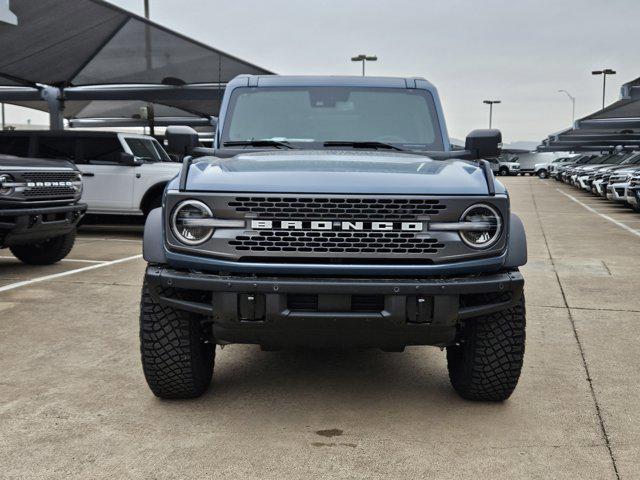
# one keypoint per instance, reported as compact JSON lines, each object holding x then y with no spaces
{"x":185,"y":225}
{"x":484,"y":226}
{"x":4,"y":178}
{"x":78,"y":183}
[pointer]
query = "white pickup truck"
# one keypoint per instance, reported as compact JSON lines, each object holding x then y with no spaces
{"x":124,"y":174}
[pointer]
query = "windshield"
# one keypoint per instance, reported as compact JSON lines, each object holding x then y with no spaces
{"x":306,"y":117}
{"x":148,"y":149}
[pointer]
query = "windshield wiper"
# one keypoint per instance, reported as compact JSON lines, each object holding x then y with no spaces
{"x":365,"y":144}
{"x":257,"y":143}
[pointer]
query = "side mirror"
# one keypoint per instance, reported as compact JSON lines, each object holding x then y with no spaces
{"x":484,"y":143}
{"x":130,"y":160}
{"x":181,"y":140}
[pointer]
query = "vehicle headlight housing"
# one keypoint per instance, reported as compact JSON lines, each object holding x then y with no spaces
{"x":184,"y":222}
{"x":4,"y":178}
{"x":484,"y":226}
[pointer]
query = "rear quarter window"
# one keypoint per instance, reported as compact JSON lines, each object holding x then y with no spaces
{"x":100,"y":149}
{"x":18,"y":146}
{"x":63,"y":148}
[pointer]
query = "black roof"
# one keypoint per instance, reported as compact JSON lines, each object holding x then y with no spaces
{"x":59,"y":133}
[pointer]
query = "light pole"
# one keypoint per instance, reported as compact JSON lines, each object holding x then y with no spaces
{"x":604,"y":72}
{"x":146,"y":9}
{"x":364,"y":59}
{"x":491,"y":103}
{"x":573,"y":105}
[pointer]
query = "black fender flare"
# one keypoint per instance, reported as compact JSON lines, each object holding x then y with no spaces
{"x":153,"y":238}
{"x":517,"y":246}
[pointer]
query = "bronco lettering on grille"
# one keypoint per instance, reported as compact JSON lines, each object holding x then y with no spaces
{"x":336,"y":225}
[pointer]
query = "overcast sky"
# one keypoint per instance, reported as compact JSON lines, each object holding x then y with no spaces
{"x":521,"y":52}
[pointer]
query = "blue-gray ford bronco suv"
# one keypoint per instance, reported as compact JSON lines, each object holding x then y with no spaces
{"x":333,"y":212}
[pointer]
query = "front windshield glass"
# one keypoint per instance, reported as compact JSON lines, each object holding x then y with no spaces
{"x":306,"y":117}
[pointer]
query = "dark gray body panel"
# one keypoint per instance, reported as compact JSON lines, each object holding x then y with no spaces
{"x":10,"y":162}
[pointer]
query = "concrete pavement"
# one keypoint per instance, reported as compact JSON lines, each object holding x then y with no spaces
{"x":73,"y":402}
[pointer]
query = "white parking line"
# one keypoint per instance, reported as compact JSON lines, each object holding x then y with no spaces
{"x":109,"y":239}
{"x":76,"y":260}
{"x":606,"y":217}
{"x":24,"y":283}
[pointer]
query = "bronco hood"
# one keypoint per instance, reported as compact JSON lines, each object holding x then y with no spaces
{"x":333,"y":171}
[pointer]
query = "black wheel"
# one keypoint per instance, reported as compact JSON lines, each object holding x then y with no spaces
{"x":486,"y":363}
{"x":503,"y":172}
{"x":45,"y":253}
{"x":636,"y":208}
{"x":543,"y":174}
{"x":177,"y":353}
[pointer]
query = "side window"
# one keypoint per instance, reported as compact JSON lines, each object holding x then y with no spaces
{"x":143,"y":148}
{"x":100,"y":149}
{"x":57,"y":147}
{"x":18,"y":146}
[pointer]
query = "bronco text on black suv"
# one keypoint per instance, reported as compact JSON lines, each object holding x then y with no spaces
{"x":333,"y":212}
{"x":39,"y":208}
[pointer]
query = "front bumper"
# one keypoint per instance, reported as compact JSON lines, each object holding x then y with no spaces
{"x":20,"y":226}
{"x":584,"y":182}
{"x":289,"y":311}
{"x":617,"y":192}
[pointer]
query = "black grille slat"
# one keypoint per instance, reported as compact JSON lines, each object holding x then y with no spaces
{"x":336,"y":242}
{"x":49,"y":191}
{"x":302,"y":208}
{"x":49,"y":176}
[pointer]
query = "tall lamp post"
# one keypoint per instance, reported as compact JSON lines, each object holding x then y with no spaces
{"x":604,"y":72}
{"x":364,"y":59}
{"x":573,"y":105}
{"x":491,"y":103}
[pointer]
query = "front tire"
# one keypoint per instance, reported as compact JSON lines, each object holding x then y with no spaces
{"x":543,"y":174}
{"x":177,"y":353}
{"x":47,"y":252}
{"x":503,"y":172}
{"x":487,"y":362}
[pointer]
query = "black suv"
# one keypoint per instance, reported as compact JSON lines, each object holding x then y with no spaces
{"x":39,"y":208}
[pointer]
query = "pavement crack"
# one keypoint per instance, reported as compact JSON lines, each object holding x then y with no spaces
{"x":587,"y":309}
{"x":603,"y":427}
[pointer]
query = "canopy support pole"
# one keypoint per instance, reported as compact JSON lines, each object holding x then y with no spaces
{"x":55,"y":101}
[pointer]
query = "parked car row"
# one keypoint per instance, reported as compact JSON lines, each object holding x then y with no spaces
{"x":124,"y":174}
{"x":614,"y":176}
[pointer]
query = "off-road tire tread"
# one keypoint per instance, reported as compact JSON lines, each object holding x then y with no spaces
{"x":176,"y":362}
{"x":487,"y":364}
{"x":47,"y":252}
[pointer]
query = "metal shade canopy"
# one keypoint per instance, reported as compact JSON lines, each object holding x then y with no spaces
{"x":90,"y":42}
{"x":106,"y":63}
{"x":625,"y":113}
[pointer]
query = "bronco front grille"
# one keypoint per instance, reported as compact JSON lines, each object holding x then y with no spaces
{"x":306,"y":208}
{"x":336,"y":242}
{"x":41,"y":187}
